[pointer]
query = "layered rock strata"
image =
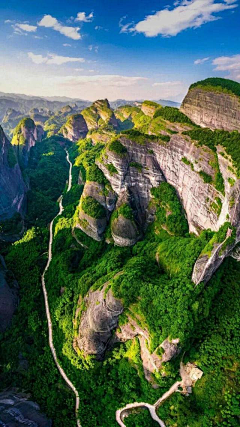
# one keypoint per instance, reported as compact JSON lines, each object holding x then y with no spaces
{"x":216,"y":110}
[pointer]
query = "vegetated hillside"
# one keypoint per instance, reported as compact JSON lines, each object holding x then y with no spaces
{"x":214,"y":103}
{"x":219,"y":84}
{"x":151,"y":209}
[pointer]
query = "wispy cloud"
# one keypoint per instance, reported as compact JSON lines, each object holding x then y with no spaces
{"x":126,"y":27}
{"x":172,"y":83}
{"x":21,"y":28}
{"x":99,"y":28}
{"x":26,"y":27}
{"x":91,"y":47}
{"x":49,"y":21}
{"x":103,"y":80}
{"x":67,"y":45}
{"x":230,"y":64}
{"x":82,"y":17}
{"x":186,"y":14}
{"x":51,"y":58}
{"x":201,"y":61}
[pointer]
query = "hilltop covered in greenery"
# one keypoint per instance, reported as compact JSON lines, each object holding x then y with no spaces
{"x":219,"y":85}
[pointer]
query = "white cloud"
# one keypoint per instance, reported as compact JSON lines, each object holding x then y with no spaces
{"x":185,"y":14}
{"x":82,"y":17}
{"x":52,"y":59}
{"x":201,"y":61}
{"x":103,"y":80}
{"x":173,"y":83}
{"x":53,"y":81}
{"x":26,"y":27}
{"x":67,"y":45}
{"x":9,"y":21}
{"x":79,"y":69}
{"x":49,"y":21}
{"x":91,"y":71}
{"x":230,"y":64}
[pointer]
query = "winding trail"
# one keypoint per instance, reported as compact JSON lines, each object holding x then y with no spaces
{"x":48,"y":314}
{"x":124,"y":412}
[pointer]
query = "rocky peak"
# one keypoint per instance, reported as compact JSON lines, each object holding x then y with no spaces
{"x":99,"y":114}
{"x":75,"y":128}
{"x":101,"y":103}
{"x":25,"y":136}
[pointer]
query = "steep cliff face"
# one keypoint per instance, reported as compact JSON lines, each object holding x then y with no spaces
{"x":135,"y":168}
{"x":181,"y":163}
{"x":25,"y":136}
{"x":8,"y":296}
{"x":98,"y":322}
{"x":209,"y":107}
{"x":17,"y":410}
{"x":75,"y":128}
{"x":12,"y":187}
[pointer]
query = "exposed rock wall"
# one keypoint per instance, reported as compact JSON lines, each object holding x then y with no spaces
{"x":216,"y":110}
{"x":98,"y":321}
{"x":163,"y":161}
{"x":75,"y":128}
{"x":12,"y":187}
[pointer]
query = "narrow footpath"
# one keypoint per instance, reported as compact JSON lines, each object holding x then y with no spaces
{"x":49,"y":320}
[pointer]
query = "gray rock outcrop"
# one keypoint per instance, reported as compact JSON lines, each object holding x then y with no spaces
{"x":75,"y":128}
{"x":98,"y":321}
{"x":216,"y":110}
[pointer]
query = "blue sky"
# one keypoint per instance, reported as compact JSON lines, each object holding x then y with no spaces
{"x":117,"y":49}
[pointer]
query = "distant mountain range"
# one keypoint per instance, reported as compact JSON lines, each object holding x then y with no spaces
{"x":24,"y":103}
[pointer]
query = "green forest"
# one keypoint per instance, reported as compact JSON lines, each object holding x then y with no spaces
{"x":154,"y":286}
